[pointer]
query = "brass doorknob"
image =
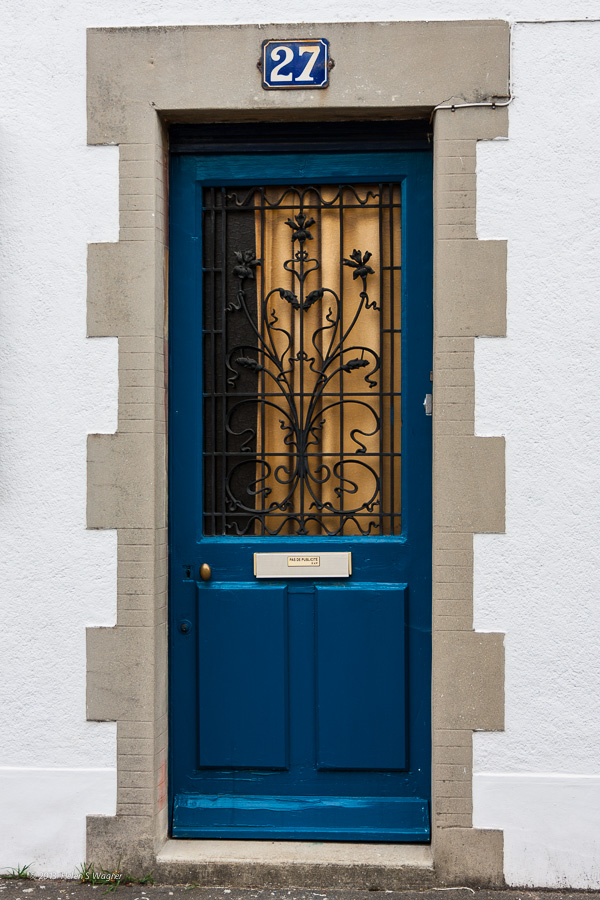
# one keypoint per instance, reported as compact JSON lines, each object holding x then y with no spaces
{"x":205,"y":572}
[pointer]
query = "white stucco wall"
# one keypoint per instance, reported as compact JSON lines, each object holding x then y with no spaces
{"x":539,"y":583}
{"x":540,"y":781}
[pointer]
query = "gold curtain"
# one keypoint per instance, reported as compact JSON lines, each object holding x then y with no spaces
{"x":328,"y":420}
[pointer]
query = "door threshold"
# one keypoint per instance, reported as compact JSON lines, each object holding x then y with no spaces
{"x":300,"y":864}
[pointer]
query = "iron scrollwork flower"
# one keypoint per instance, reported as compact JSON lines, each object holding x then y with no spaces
{"x":247,"y":262}
{"x":300,"y":225}
{"x":359,"y":263}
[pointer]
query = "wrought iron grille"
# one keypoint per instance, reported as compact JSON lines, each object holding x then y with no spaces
{"x":301,"y":360}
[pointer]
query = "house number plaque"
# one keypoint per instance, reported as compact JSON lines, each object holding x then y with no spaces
{"x":294,"y":65}
{"x":302,"y":565}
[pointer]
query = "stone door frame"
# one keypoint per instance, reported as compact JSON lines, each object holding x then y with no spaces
{"x":140,"y":80}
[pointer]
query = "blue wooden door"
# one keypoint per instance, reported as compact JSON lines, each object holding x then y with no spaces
{"x":300,"y":699}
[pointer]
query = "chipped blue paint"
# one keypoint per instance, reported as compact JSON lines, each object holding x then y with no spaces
{"x":300,"y":713}
{"x":327,"y":817}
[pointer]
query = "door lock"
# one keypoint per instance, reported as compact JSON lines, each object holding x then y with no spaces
{"x":205,"y":572}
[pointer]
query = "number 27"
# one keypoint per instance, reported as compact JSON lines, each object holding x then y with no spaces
{"x":288,"y":56}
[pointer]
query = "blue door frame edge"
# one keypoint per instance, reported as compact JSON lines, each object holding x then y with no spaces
{"x":403,"y":818}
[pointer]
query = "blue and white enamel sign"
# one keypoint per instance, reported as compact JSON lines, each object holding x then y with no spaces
{"x":292,"y":65}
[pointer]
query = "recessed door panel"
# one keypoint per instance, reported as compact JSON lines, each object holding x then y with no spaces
{"x":242,"y":677}
{"x":361,"y":677}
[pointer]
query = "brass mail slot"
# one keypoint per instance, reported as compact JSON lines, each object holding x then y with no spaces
{"x":303,"y":565}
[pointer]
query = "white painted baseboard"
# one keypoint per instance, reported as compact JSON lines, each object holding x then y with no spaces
{"x":551,"y":826}
{"x":43,"y":812}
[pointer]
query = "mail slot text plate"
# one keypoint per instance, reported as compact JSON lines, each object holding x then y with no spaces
{"x":303,"y":565}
